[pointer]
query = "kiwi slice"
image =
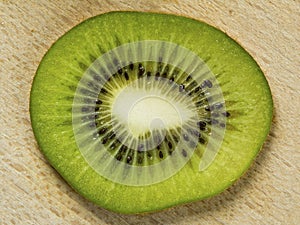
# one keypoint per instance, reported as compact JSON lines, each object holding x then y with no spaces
{"x":142,"y":111}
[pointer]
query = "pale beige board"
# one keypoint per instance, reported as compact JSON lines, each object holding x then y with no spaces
{"x":32,"y":192}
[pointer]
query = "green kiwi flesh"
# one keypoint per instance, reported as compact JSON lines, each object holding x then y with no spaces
{"x":68,"y":76}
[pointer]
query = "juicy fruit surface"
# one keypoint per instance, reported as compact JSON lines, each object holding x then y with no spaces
{"x":245,"y":91}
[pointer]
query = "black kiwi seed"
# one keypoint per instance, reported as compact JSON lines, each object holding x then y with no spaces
{"x":131,"y":66}
{"x":201,"y":125}
{"x":129,"y":159}
{"x":160,"y":154}
{"x":197,"y":89}
{"x":149,"y":155}
{"x":141,"y":69}
{"x":186,"y":137}
{"x":188,"y":78}
{"x":201,"y":140}
{"x":111,"y":135}
{"x":148,"y":74}
{"x":120,"y":71}
{"x":104,"y":140}
{"x":207,"y":108}
{"x":98,"y":101}
{"x":181,"y":87}
{"x":164,"y":75}
{"x":206,"y":83}
{"x":184,"y":153}
{"x":102,"y":130}
{"x":200,"y":103}
{"x":209,"y":83}
{"x":119,"y":157}
{"x":112,"y":146}
{"x":126,"y":75}
{"x":170,"y":145}
{"x":227,"y":114}
{"x":103,"y":91}
{"x":124,"y":148}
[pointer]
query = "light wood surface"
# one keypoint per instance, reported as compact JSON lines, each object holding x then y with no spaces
{"x":31,"y":192}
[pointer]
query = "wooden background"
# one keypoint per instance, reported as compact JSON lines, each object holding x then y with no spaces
{"x":31,"y":192}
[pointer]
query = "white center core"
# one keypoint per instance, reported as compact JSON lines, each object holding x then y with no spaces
{"x":152,"y":112}
{"x":145,"y":110}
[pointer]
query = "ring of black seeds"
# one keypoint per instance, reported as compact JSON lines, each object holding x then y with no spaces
{"x":120,"y":150}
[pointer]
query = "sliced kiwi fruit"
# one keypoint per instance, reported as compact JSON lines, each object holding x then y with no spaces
{"x":141,"y":111}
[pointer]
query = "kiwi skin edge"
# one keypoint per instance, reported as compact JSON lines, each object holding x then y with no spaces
{"x":37,"y":123}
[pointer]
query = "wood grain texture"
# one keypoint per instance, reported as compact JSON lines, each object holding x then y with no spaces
{"x":32,"y":192}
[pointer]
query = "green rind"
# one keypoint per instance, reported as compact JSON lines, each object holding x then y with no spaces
{"x":51,"y":112}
